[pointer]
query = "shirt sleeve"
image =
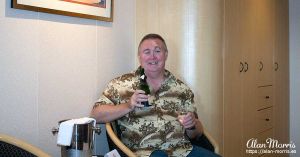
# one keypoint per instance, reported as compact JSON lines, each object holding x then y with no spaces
{"x":189,"y":103}
{"x":109,"y":96}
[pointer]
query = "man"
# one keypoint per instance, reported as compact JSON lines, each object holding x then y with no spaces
{"x":166,"y":126}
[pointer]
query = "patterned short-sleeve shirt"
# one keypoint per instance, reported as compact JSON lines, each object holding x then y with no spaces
{"x":147,"y":129}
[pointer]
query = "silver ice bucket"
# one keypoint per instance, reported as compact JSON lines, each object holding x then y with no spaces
{"x":82,"y":140}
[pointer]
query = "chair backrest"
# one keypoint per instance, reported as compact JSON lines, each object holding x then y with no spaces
{"x":114,"y":141}
{"x":10,"y":146}
{"x":205,"y":141}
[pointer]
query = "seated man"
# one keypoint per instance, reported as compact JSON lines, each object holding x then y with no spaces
{"x":167,"y":125}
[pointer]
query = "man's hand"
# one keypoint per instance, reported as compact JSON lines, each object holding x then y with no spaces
{"x":188,"y":120}
{"x":137,"y":97}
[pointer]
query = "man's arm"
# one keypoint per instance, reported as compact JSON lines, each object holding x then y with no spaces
{"x":196,"y":130}
{"x":109,"y":112}
{"x":192,"y":125}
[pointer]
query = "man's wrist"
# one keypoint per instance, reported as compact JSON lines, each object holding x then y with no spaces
{"x":130,"y":107}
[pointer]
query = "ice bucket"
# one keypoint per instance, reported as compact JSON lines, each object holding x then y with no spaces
{"x":82,"y":140}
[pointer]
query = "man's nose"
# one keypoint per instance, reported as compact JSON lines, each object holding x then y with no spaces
{"x":153,"y":55}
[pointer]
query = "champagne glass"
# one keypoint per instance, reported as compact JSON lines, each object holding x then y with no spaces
{"x":181,"y":116}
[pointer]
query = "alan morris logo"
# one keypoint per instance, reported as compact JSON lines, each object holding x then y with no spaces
{"x":269,"y":143}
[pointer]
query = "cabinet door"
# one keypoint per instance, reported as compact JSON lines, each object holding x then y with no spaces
{"x":281,"y":68}
{"x":264,"y":43}
{"x":249,"y":48}
{"x":233,"y":74}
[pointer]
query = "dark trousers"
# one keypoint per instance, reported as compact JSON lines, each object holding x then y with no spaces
{"x":196,"y":152}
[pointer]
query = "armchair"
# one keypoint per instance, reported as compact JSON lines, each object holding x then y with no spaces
{"x":10,"y":146}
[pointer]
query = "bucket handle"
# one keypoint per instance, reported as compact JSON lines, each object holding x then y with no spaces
{"x":96,"y":130}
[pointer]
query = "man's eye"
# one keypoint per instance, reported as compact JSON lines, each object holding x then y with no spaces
{"x":157,"y":50}
{"x":146,"y":52}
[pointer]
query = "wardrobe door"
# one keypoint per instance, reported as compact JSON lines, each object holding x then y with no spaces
{"x":281,"y":73}
{"x":235,"y":67}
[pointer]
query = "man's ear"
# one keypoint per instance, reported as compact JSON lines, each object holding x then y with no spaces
{"x":139,"y":58}
{"x":166,"y":53}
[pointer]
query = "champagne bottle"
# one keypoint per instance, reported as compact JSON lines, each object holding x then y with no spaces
{"x":144,"y":86}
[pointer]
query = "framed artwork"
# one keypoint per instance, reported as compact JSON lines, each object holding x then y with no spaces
{"x":92,"y":9}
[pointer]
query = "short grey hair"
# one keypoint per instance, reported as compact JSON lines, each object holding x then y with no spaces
{"x":153,"y":36}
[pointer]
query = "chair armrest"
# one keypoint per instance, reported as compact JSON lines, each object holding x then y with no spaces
{"x":212,"y":141}
{"x":117,"y":141}
{"x":206,"y":141}
{"x":23,"y":145}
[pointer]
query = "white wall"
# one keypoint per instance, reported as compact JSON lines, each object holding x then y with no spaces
{"x":54,"y":67}
{"x":295,"y":73}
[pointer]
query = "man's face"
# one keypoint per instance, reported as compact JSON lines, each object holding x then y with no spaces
{"x":152,"y":55}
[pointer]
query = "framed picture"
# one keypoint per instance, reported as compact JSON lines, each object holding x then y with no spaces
{"x":91,"y":9}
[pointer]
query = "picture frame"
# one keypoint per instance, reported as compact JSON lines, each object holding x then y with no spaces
{"x":91,"y":9}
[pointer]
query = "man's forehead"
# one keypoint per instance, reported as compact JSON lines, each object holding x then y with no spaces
{"x":152,"y":42}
